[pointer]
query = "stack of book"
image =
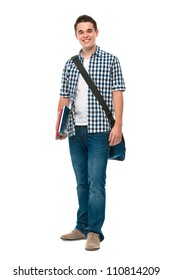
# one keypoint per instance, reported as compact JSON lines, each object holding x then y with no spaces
{"x":62,"y":122}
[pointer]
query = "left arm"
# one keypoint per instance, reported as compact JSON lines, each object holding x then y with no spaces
{"x":116,"y":132}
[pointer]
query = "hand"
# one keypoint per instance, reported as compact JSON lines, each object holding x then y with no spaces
{"x":60,"y":137}
{"x":115,"y":135}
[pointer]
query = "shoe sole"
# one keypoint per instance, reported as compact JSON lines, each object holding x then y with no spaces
{"x":67,"y":239}
{"x":95,"y":249}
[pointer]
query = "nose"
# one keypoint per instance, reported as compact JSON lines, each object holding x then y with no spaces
{"x":85,"y":34}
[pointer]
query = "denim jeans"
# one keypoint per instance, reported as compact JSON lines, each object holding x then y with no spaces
{"x":89,"y":155}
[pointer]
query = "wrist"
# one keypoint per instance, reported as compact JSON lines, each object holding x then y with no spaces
{"x":118,"y":123}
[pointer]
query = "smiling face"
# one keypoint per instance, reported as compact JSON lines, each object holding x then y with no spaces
{"x":86,"y":35}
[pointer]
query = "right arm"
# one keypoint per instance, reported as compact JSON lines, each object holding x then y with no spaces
{"x":63,"y":101}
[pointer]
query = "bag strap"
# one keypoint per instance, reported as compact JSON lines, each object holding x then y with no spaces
{"x":94,"y":89}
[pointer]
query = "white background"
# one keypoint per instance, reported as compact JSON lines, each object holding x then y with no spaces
{"x":38,"y":190}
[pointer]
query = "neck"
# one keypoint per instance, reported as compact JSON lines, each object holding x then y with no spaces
{"x":87,"y":52}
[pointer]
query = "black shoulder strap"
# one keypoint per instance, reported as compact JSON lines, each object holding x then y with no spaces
{"x":94,"y":89}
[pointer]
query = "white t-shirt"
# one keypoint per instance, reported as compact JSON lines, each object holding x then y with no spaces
{"x":81,"y":100}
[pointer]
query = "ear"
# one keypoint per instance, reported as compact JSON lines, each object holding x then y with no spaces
{"x":76,"y":35}
{"x":97,"y":32}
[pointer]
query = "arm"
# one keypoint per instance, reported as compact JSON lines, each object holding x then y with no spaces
{"x":62,"y":101}
{"x":116,"y":132}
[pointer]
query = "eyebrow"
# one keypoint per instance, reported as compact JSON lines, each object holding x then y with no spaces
{"x":89,"y":29}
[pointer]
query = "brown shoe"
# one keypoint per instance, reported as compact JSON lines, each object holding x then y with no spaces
{"x":74,"y":235}
{"x":93,"y":242}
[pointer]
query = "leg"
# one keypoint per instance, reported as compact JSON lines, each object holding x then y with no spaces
{"x":79,"y":157}
{"x":98,"y":150}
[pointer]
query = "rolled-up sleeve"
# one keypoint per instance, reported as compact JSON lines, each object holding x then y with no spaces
{"x":64,"y":91}
{"x":117,"y":76}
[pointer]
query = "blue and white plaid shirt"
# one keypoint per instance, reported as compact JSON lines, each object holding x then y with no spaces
{"x":105,"y":70}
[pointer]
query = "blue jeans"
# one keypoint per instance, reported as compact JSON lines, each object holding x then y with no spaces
{"x":89,"y":155}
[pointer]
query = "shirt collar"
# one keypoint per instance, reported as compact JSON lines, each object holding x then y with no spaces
{"x":98,"y":52}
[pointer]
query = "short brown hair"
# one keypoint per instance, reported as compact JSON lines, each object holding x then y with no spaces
{"x":85,"y":18}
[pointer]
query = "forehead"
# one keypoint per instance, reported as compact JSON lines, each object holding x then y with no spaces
{"x":84,"y":26}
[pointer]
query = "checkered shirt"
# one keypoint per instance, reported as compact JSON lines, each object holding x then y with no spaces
{"x":105,"y":70}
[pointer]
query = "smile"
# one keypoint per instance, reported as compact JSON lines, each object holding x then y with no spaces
{"x":86,"y":40}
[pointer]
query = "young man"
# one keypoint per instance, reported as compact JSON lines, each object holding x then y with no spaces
{"x":89,"y":133}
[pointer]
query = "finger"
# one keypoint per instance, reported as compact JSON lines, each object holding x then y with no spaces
{"x":114,"y":141}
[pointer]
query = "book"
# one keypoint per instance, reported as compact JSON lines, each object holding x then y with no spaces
{"x":62,"y":122}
